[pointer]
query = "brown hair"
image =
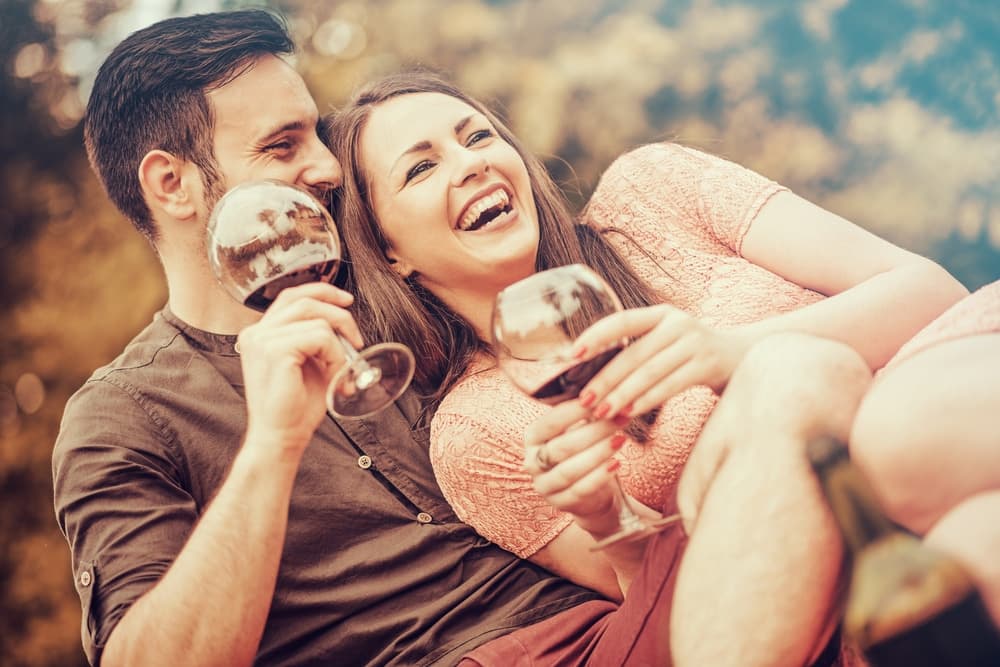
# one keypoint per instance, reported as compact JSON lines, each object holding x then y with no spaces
{"x":150,"y":94}
{"x":389,"y":308}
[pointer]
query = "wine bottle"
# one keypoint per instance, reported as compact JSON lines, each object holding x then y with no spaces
{"x":907,"y":604}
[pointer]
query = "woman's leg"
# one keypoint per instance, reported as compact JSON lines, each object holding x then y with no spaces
{"x":928,"y":433}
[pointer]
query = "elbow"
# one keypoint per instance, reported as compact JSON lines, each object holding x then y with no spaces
{"x":937,"y":285}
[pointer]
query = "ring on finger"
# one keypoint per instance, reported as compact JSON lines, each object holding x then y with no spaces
{"x":542,"y":459}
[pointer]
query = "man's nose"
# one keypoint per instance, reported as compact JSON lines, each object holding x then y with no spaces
{"x":324,"y":171}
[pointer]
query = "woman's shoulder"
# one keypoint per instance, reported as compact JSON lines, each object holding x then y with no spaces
{"x":472,"y":405}
{"x":663,"y":155}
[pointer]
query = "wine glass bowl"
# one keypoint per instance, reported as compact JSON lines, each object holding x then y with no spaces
{"x":535,"y":324}
{"x":266,"y":235}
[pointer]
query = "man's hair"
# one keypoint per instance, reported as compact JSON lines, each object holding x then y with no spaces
{"x":388,"y":307}
{"x":150,"y":94}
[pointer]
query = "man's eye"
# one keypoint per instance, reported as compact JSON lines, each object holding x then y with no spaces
{"x":478,"y":136}
{"x":279,"y":146}
{"x":418,"y":169}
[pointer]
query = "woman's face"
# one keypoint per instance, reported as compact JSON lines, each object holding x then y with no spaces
{"x":453,"y":199}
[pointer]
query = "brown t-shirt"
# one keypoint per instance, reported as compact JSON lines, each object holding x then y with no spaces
{"x":376,"y":567}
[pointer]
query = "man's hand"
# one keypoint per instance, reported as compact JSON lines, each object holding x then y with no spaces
{"x":289,"y":358}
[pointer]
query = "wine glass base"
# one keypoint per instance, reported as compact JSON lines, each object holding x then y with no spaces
{"x":379,"y":376}
{"x":635,"y":531}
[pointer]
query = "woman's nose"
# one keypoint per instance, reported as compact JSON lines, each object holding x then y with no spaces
{"x":471,"y":165}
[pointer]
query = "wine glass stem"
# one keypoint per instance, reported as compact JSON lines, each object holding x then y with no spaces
{"x":365,"y":375}
{"x":626,"y":515}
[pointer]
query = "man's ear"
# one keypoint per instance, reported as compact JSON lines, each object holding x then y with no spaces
{"x":400,"y":266}
{"x":162,"y":176}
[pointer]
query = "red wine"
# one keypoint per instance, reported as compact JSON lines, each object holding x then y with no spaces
{"x":567,"y":385}
{"x":265,"y":295}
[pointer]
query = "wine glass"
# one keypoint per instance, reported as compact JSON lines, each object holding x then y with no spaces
{"x":535,"y":323}
{"x":266,"y":235}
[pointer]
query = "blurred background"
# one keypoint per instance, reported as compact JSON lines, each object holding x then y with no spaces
{"x":885,"y":112}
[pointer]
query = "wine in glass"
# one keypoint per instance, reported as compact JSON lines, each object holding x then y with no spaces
{"x":535,"y":324}
{"x":266,"y":235}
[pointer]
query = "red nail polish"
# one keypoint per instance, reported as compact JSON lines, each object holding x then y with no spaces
{"x":621,"y":421}
{"x":602,"y":410}
{"x":587,"y":398}
{"x":613,"y":465}
{"x":618,"y":440}
{"x":579,"y":352}
{"x":626,"y":411}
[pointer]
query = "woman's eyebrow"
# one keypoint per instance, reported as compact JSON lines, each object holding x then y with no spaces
{"x":421,"y":146}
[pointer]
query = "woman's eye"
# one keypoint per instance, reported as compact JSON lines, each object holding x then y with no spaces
{"x":418,"y":169}
{"x":478,"y":136}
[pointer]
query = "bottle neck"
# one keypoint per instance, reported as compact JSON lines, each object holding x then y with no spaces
{"x":854,"y":505}
{"x":850,"y":497}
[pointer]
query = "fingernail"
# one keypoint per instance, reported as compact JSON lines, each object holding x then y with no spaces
{"x":587,"y":398}
{"x":602,"y":410}
{"x":621,"y":421}
{"x":618,"y":440}
{"x":579,"y":351}
{"x":613,"y":465}
{"x":626,"y":411}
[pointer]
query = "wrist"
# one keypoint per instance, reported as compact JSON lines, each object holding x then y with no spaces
{"x":267,"y":447}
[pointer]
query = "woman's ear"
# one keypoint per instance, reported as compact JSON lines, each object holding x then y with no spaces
{"x":165,"y":182}
{"x":399,"y":265}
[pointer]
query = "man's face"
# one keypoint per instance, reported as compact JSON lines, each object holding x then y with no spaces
{"x":265,"y":127}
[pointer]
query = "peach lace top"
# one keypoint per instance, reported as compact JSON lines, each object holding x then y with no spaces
{"x":689,"y":211}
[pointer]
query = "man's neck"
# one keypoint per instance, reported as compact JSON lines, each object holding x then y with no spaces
{"x":201,"y":302}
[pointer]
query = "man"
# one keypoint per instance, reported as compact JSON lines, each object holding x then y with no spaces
{"x":216,"y":515}
{"x":208,"y":524}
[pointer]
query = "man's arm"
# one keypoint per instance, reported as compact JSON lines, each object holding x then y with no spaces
{"x":212,"y":604}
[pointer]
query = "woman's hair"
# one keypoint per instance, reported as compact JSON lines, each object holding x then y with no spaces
{"x":386,"y":306}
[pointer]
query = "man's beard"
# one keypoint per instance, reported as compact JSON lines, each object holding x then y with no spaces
{"x":214,"y":189}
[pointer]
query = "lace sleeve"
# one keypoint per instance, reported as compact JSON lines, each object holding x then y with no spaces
{"x":479,"y":470}
{"x":666,"y":191}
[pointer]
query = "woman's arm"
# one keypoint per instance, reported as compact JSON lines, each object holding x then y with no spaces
{"x":484,"y":471}
{"x":880,"y":295}
{"x":580,"y":482}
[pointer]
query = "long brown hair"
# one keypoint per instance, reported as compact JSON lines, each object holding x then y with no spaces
{"x":388,"y":307}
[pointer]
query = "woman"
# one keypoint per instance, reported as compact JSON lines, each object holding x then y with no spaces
{"x":443,"y":208}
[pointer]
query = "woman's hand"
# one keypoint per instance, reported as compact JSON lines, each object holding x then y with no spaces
{"x":571,"y":460}
{"x":671,"y":351}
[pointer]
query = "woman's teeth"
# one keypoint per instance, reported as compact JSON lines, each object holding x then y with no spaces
{"x":476,"y":215}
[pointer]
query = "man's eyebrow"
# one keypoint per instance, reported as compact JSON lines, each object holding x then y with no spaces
{"x":421,"y":146}
{"x":294,"y":126}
